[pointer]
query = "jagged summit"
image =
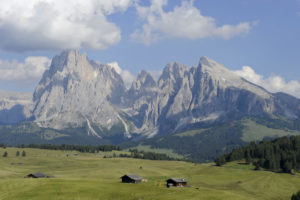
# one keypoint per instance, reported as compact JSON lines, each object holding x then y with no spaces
{"x":78,"y":92}
{"x":173,"y":70}
{"x":146,"y":79}
{"x":210,"y":66}
{"x":74,"y":90}
{"x":210,"y":63}
{"x":225,"y":78}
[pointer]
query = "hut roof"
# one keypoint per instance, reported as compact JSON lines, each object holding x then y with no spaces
{"x":178,"y":180}
{"x":133,"y":177}
{"x":38,"y":174}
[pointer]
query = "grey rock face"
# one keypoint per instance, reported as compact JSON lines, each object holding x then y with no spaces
{"x":206,"y":93}
{"x":141,"y":104}
{"x":77,"y":92}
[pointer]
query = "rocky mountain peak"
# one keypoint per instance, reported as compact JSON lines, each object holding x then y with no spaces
{"x":143,"y":86}
{"x":174,"y":70}
{"x":220,"y":76}
{"x":145,"y":79}
{"x":210,"y":66}
{"x":66,"y":58}
{"x":76,"y":91}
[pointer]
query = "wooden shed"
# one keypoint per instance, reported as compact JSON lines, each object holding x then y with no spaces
{"x":131,"y":178}
{"x":176,"y":182}
{"x":36,"y":175}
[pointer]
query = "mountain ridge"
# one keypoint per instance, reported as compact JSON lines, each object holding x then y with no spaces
{"x":78,"y":93}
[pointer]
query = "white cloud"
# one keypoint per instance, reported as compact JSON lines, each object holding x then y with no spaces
{"x":31,"y":68}
{"x":185,"y":21}
{"x":274,"y":83}
{"x":51,"y":24}
{"x":127,"y":77}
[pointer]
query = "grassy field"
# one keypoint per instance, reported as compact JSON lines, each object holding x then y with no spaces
{"x":92,"y":177}
{"x":190,"y":133}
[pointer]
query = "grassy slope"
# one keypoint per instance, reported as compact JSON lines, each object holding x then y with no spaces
{"x":205,"y":144}
{"x":257,"y":132}
{"x":89,"y":176}
{"x":190,"y":133}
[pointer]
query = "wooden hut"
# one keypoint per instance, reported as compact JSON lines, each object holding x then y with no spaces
{"x":36,"y":175}
{"x":131,"y":178}
{"x":176,"y":182}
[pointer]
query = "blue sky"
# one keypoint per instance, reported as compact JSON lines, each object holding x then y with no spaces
{"x":263,"y":35}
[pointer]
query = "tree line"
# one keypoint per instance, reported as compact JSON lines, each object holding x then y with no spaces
{"x":70,"y":147}
{"x":279,"y":155}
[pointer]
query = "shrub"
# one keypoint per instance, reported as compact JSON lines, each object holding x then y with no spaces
{"x":296,"y":196}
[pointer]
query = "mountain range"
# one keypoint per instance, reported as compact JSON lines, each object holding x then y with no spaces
{"x":81,"y":101}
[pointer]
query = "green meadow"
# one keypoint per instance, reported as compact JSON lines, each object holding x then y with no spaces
{"x":91,"y":177}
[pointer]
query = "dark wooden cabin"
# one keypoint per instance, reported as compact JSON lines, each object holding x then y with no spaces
{"x":36,"y":175}
{"x":176,"y":182}
{"x":131,"y":178}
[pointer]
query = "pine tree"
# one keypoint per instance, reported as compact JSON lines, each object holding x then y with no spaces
{"x":220,"y":161}
{"x":5,"y":154}
{"x":23,"y":153}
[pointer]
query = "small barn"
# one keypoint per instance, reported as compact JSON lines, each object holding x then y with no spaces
{"x":36,"y":175}
{"x":176,"y":182}
{"x":131,"y":178}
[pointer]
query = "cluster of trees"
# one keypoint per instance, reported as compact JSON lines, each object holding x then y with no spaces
{"x":280,"y":155}
{"x":134,"y":153}
{"x":69,"y":147}
{"x":5,"y":154}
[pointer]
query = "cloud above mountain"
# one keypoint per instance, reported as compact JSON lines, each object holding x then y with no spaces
{"x":184,"y":21}
{"x":51,"y":24}
{"x":273,"y":83}
{"x":71,"y":24}
{"x":126,"y":75}
{"x":31,"y":68}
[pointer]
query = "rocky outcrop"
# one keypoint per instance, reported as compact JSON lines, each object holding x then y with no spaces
{"x":76,"y":91}
{"x":207,"y":93}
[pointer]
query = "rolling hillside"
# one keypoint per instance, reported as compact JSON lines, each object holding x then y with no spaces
{"x":90,"y":176}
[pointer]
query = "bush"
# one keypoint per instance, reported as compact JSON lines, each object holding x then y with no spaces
{"x":220,"y":161}
{"x":296,"y":196}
